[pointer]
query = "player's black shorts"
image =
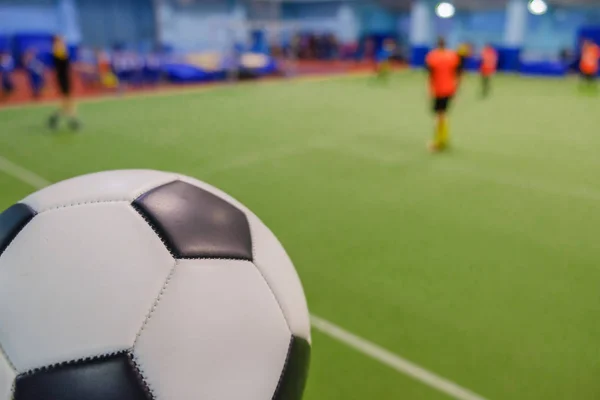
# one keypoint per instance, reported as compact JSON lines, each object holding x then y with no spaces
{"x":7,"y":85}
{"x":62,"y":67}
{"x":588,"y":77}
{"x":462,"y":64}
{"x":441,"y":104}
{"x":64,"y":81}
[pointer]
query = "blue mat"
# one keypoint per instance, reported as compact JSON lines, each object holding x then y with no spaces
{"x":192,"y":69}
{"x":509,"y":59}
{"x":543,"y":68}
{"x":4,"y":43}
{"x":41,"y":42}
{"x":187,"y":73}
{"x":417,"y":56}
{"x":473,"y":63}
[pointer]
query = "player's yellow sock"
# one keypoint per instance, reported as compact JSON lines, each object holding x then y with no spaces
{"x":437,"y":135}
{"x":444,"y":134}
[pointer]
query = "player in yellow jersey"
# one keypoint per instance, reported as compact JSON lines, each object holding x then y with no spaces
{"x":464,"y":51}
{"x":63,"y":72}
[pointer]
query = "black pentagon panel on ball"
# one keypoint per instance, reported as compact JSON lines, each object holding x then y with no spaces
{"x":12,"y":221}
{"x":195,"y":223}
{"x":104,"y":378}
{"x":293,"y":378}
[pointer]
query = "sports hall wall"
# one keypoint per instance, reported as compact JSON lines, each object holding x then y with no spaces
{"x":185,"y":27}
{"x":32,"y":15}
{"x":97,"y":23}
{"x":545,"y":36}
{"x":105,"y":22}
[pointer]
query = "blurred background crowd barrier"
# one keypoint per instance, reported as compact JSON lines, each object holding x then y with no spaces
{"x":121,"y":44}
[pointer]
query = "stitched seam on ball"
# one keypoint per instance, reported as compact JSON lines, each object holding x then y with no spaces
{"x":251,"y":228}
{"x":155,"y":186}
{"x":274,"y":296}
{"x":140,"y":376}
{"x":8,"y":360}
{"x":255,"y":263}
{"x":71,"y":362}
{"x":155,"y":303}
{"x":83,"y":203}
{"x":285,"y":365}
{"x":214,"y":258}
{"x":153,"y":226}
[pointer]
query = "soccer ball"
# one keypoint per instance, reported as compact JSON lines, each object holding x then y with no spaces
{"x":143,"y":285}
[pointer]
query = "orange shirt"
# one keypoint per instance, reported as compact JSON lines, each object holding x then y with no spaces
{"x":443,"y":66}
{"x":589,"y":59}
{"x":489,"y":61}
{"x":103,"y":64}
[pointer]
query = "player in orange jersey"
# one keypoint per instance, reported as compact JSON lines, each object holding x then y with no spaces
{"x":105,"y":72}
{"x":444,"y":68}
{"x":489,"y":63}
{"x":590,"y":54}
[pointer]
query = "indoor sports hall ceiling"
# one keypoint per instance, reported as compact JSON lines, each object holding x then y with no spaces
{"x":484,"y":4}
{"x":398,"y":4}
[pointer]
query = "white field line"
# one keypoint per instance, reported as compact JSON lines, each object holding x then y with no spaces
{"x":359,"y":344}
{"x":393,"y":361}
{"x":22,"y":174}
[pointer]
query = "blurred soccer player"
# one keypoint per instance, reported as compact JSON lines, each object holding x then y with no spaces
{"x":105,"y":70}
{"x":7,"y":67}
{"x":590,"y":54}
{"x":464,"y":52}
{"x":35,"y":71}
{"x":384,"y":59}
{"x":489,"y":63}
{"x":62,"y":69}
{"x":444,"y":68}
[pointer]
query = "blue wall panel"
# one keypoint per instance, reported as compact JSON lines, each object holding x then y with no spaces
{"x":107,"y":22}
{"x":348,"y":20}
{"x":548,"y":34}
{"x":28,"y":16}
{"x":205,"y":26}
{"x":375,"y":19}
{"x":478,"y":28}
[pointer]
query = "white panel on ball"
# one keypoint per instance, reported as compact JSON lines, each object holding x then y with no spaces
{"x":274,"y":264}
{"x":217,"y":333}
{"x":277,"y":268}
{"x":7,"y":377}
{"x":85,"y":289}
{"x":98,"y":187}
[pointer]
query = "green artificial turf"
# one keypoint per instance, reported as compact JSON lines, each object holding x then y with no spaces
{"x":481,"y":265}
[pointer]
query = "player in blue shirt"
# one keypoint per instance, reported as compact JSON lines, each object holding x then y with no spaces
{"x":7,"y":66}
{"x":35,"y":71}
{"x":384,"y":59}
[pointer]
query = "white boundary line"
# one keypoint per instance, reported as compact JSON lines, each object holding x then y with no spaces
{"x":22,"y":174}
{"x":357,"y":343}
{"x":393,"y":361}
